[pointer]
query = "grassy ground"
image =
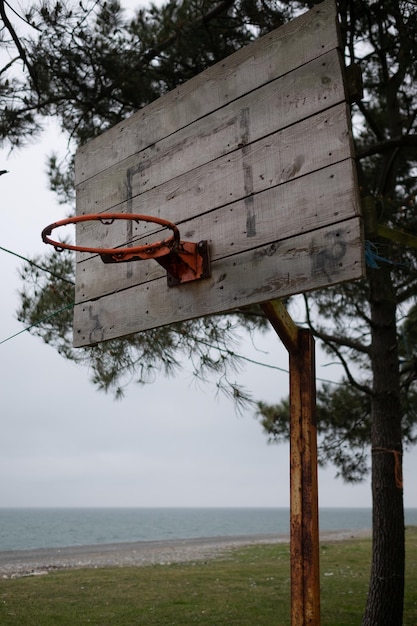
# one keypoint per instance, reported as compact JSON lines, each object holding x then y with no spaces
{"x":248,"y":587}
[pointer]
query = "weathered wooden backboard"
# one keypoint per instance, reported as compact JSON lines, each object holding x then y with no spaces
{"x":253,"y":155}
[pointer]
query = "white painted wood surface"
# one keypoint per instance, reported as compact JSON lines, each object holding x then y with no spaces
{"x":255,"y":156}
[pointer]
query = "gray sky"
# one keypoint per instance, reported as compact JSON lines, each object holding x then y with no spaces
{"x":167,"y":444}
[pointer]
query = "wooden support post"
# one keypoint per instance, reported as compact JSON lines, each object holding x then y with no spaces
{"x":305,"y":573}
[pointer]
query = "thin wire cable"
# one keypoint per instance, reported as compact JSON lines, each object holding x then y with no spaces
{"x":254,"y":362}
{"x":44,"y":319}
{"x":243,"y":358}
{"x":282,"y":369}
{"x":44,"y":269}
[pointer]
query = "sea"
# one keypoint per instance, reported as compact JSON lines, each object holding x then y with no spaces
{"x":32,"y":528}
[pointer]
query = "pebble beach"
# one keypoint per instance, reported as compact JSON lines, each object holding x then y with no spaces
{"x":18,"y":563}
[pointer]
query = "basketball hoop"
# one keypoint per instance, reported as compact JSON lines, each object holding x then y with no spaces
{"x":184,"y":261}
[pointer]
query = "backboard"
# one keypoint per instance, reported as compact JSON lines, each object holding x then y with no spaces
{"x":253,"y":155}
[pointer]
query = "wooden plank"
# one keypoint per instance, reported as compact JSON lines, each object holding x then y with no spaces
{"x":291,"y":153}
{"x":283,"y":324}
{"x":304,"y":518}
{"x":308,"y":261}
{"x":275,"y":106}
{"x":301,"y":205}
{"x":274,"y":55}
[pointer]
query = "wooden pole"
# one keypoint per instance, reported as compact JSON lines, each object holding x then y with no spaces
{"x":304,"y":527}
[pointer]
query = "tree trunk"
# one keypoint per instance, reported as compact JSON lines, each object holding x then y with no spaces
{"x":386,"y":587}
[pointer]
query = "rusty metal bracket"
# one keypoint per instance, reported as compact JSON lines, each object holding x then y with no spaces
{"x":185,"y":262}
{"x":190,"y":261}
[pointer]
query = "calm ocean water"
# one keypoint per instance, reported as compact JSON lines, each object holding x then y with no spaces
{"x":24,"y":529}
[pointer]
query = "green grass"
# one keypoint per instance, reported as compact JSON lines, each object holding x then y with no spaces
{"x":247,"y":587}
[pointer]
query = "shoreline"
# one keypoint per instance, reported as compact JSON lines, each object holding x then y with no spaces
{"x":37,"y":562}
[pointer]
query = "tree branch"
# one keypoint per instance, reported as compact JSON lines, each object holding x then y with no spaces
{"x":336,"y":339}
{"x":341,"y":341}
{"x":217,"y":10}
{"x":406,"y":293}
{"x":6,"y":67}
{"x":351,"y":379}
{"x":369,"y":119}
{"x":333,"y":341}
{"x":403,"y":142}
{"x":16,"y":40}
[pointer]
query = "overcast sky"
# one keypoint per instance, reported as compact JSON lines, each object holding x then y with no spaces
{"x":167,"y":444}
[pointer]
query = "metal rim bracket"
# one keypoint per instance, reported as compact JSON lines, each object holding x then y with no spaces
{"x":184,"y":261}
